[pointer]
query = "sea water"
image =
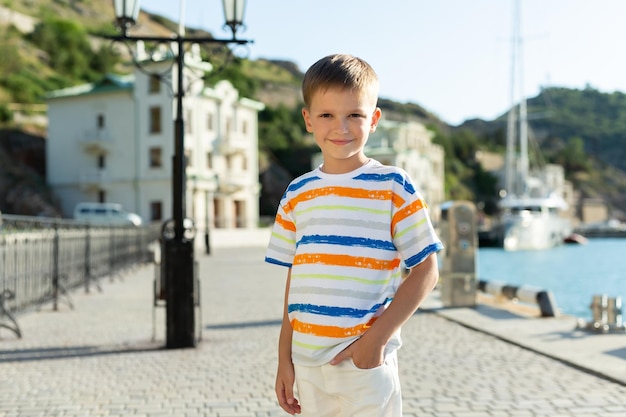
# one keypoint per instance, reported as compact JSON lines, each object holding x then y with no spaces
{"x":573,"y":273}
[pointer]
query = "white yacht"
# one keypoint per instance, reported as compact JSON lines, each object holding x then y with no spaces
{"x":533,"y":223}
{"x":531,"y":205}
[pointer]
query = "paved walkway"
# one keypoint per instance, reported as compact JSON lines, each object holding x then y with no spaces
{"x":99,"y":359}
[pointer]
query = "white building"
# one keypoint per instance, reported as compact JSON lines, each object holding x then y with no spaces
{"x":113,"y":141}
{"x":408,"y":145}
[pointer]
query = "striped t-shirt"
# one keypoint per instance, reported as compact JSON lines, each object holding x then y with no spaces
{"x":345,"y":237}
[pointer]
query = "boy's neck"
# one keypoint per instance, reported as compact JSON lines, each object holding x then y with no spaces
{"x":343,"y":167}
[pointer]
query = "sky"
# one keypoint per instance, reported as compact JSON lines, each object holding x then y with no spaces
{"x":452,"y":57}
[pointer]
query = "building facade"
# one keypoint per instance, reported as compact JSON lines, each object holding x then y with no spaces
{"x":113,"y":141}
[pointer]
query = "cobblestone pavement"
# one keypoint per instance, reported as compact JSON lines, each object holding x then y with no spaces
{"x":99,"y":358}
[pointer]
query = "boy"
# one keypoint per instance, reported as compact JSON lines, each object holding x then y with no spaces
{"x":342,"y":230}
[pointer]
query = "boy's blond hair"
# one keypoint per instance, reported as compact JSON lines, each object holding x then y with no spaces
{"x":340,"y":71}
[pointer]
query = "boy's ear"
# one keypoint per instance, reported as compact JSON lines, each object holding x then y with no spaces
{"x":375,"y":119}
{"x":307,"y":119}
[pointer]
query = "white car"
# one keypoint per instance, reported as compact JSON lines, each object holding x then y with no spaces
{"x":105,"y":214}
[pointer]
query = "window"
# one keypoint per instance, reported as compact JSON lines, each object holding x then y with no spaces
{"x":188,"y":158}
{"x":154,"y":84}
{"x":229,"y":126}
{"x":209,"y":122}
{"x":209,"y":160}
{"x":244,"y":163}
{"x":156,"y":211}
{"x":101,"y":162}
{"x":100,"y":121}
{"x":240,"y":214}
{"x":155,"y":119}
{"x":102,"y":195}
{"x":244,"y":127}
{"x":155,"y":157}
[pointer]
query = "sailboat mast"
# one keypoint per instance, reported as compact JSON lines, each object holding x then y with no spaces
{"x":511,"y":142}
{"x":517,"y":168}
{"x":523,"y":112}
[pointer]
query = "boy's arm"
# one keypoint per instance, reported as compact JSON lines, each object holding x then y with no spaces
{"x":368,"y":350}
{"x":285,"y":376}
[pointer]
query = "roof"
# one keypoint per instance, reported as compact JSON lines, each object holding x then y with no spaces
{"x":110,"y":83}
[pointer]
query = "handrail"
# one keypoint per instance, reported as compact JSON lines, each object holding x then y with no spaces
{"x":42,"y":259}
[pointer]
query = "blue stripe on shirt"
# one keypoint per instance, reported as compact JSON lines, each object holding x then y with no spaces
{"x":300,"y":184}
{"x":334,"y":311}
{"x":386,"y":177}
{"x":277,"y":262}
{"x":347,"y":241}
{"x":416,"y":259}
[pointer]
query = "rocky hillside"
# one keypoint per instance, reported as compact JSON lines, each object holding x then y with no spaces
{"x":23,"y":189}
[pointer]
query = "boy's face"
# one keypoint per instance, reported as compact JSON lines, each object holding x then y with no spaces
{"x":341,"y":121}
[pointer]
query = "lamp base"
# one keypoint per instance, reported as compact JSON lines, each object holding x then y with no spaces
{"x":179,"y":287}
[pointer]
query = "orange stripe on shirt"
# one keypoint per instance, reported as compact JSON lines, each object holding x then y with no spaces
{"x":346,"y":260}
{"x":330,"y":331}
{"x":409,"y":210}
{"x":342,"y":192}
{"x":397,"y":200}
{"x":286,"y":224}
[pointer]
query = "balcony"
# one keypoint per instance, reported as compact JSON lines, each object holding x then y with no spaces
{"x":94,"y":180}
{"x":232,"y":143}
{"x":231,"y":183}
{"x":96,"y":141}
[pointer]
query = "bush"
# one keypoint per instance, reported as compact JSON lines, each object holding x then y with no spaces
{"x":6,"y":115}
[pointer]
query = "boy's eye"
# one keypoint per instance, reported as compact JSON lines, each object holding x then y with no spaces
{"x":351,"y":115}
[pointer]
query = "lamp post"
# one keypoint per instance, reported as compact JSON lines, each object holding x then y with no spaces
{"x":177,"y":234}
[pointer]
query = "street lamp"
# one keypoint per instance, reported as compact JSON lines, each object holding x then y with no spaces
{"x":178,"y":234}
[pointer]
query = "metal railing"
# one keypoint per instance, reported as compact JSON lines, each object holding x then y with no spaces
{"x":42,"y":259}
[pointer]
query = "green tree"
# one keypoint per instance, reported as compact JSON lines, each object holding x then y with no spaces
{"x":573,"y":156}
{"x":232,"y":70}
{"x":281,"y":128}
{"x":459,"y":163}
{"x":102,"y":61}
{"x":69,"y":50}
{"x":24,"y":90}
{"x":6,"y":115}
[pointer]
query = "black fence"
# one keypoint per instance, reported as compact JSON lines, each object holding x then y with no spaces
{"x":42,"y":259}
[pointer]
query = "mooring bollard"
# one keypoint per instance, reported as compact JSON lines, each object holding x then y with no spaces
{"x":614,"y":313}
{"x":599,"y":305}
{"x":606,"y":315}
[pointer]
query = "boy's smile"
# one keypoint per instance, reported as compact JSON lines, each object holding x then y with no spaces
{"x":341,"y":121}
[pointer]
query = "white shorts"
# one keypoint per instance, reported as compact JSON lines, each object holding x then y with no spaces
{"x":347,"y":391}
